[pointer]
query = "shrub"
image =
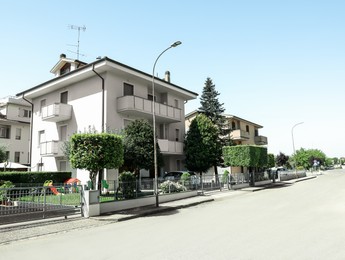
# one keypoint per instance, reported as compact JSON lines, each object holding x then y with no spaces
{"x":127,"y":184}
{"x":4,"y":185}
{"x":35,"y":177}
{"x":170,"y":187}
{"x":225,"y":176}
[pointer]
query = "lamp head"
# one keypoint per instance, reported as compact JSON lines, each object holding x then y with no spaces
{"x":176,"y":44}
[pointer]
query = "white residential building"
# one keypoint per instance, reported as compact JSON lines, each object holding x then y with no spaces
{"x":104,"y":94}
{"x":15,"y":116}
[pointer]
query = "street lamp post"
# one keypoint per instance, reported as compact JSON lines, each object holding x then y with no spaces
{"x":293,"y":145}
{"x":154,"y":119}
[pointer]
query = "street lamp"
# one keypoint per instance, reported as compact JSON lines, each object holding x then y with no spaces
{"x":293,"y":144}
{"x":154,"y":119}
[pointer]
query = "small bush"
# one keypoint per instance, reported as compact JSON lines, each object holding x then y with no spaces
{"x":170,"y":187}
{"x":127,"y":185}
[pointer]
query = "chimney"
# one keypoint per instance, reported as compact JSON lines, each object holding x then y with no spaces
{"x":167,"y":76}
{"x":62,"y":56}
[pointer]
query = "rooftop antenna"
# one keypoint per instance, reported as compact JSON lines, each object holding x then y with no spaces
{"x":79,"y":28}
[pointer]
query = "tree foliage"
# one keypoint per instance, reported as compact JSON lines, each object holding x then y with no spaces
{"x":3,"y":156}
{"x":245,"y":155}
{"x":270,"y":160}
{"x":138,"y":146}
{"x":94,"y":152}
{"x":305,"y":158}
{"x":201,"y":146}
{"x":282,"y":159}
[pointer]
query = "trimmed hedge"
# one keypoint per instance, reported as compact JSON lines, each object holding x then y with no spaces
{"x":245,"y":155}
{"x":35,"y":177}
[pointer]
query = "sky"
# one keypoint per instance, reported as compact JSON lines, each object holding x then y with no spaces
{"x":275,"y":63}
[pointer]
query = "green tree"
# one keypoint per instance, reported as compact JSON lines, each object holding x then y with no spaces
{"x":306,"y":157}
{"x":3,"y":156}
{"x":201,"y":144}
{"x":95,"y":152}
{"x":270,"y":160}
{"x":138,"y":147}
{"x":213,"y":109}
{"x":282,"y":159}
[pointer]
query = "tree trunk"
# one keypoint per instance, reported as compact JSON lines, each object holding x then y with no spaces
{"x":216,"y":174}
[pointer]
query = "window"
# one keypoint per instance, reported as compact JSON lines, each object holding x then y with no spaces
{"x":150,"y":97}
{"x":24,"y":113}
{"x":178,"y":165}
{"x":64,"y":97}
{"x":16,"y":157}
{"x":18,"y":133}
{"x":247,"y":128}
{"x":128,"y":89}
{"x":233,"y":125}
{"x":27,"y":113}
{"x":256,"y":132}
{"x":63,"y":133}
{"x":43,"y":104}
{"x":177,"y":133}
{"x":41,"y":137}
{"x":63,"y":166}
{"x":5,"y":132}
{"x":176,"y":103}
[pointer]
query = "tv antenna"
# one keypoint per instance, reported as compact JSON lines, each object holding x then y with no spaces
{"x":79,"y":28}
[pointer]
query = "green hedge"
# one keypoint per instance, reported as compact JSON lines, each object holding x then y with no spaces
{"x":245,"y":155}
{"x":35,"y":177}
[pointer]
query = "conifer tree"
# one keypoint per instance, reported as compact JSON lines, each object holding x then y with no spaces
{"x":213,"y":109}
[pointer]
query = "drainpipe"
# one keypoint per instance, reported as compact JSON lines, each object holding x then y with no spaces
{"x":100,"y":175}
{"x":31,"y":126}
{"x":93,"y":69}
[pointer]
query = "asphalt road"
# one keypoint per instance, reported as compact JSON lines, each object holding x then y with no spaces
{"x":301,"y":221}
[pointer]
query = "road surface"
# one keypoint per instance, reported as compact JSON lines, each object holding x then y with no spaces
{"x":301,"y":221}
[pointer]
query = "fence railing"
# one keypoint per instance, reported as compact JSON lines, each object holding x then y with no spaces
{"x":41,"y":201}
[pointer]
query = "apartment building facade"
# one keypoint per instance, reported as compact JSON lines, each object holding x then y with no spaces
{"x":243,"y":132}
{"x":102,"y":95}
{"x":15,"y":116}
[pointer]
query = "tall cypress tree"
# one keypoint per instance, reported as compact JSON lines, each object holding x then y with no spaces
{"x":213,"y":109}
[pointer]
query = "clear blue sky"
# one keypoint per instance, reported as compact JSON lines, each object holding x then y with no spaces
{"x":275,"y":63}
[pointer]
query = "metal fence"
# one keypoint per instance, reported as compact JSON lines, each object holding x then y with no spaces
{"x":27,"y":203}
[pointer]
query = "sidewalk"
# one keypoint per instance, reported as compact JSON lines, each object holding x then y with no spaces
{"x":25,"y":230}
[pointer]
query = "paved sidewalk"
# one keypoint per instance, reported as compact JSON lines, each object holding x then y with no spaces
{"x":14,"y":232}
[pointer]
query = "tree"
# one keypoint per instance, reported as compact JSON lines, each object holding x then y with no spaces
{"x":282,"y":159}
{"x":200,"y":144}
{"x":3,"y":155}
{"x":213,"y":109}
{"x":138,"y":147}
{"x":270,"y":160}
{"x":94,"y":152}
{"x":307,"y":157}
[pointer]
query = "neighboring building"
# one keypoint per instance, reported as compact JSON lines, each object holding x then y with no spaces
{"x":15,"y":116}
{"x":243,"y":132}
{"x":104,"y":94}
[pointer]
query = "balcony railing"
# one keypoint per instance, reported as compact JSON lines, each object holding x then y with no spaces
{"x":170,"y":147}
{"x":57,"y":112}
{"x":137,"y":106}
{"x":51,"y":148}
{"x":239,"y":134}
{"x":260,"y":140}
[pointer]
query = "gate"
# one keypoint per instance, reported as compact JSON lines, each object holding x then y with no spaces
{"x":33,"y":203}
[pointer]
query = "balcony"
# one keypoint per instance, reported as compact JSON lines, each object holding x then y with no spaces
{"x":140,"y":107}
{"x":240,"y":135}
{"x":51,"y":149}
{"x":260,"y":140}
{"x":170,"y":147}
{"x":57,"y":112}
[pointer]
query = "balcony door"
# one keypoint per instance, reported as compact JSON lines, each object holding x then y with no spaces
{"x":64,"y":97}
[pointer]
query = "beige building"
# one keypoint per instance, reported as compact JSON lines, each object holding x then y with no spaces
{"x":243,"y":132}
{"x":103,"y":95}
{"x":15,"y":116}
